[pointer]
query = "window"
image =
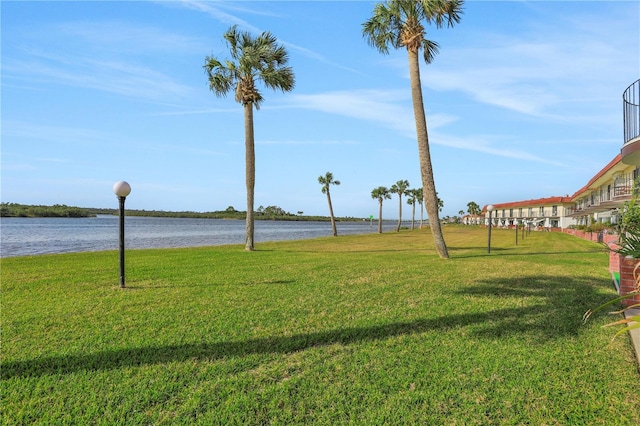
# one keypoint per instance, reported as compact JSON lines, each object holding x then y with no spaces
{"x":541,"y":213}
{"x":554,"y":210}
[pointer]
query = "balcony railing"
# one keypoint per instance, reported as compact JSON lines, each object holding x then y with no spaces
{"x":631,"y":111}
{"x":623,"y":186}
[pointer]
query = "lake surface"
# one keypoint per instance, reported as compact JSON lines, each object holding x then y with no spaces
{"x":34,"y":236}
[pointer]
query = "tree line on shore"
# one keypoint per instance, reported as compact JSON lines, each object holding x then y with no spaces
{"x":62,"y":210}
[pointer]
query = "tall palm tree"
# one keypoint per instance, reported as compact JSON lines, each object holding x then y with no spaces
{"x":398,"y":24}
{"x":253,"y":60}
{"x":326,"y":181}
{"x":380,"y":193}
{"x":398,"y":188}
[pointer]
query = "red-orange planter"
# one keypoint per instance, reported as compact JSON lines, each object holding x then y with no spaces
{"x":628,"y":280}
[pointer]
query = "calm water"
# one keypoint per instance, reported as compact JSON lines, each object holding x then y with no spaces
{"x":33,"y":236}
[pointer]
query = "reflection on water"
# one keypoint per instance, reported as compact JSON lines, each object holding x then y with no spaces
{"x":32,"y":236}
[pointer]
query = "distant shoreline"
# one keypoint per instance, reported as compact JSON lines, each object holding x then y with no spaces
{"x":62,"y":210}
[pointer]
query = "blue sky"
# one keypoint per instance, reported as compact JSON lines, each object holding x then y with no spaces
{"x":523,"y":101}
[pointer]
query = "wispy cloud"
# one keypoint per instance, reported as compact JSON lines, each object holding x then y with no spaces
{"x":551,"y":70}
{"x":21,"y":132}
{"x":220,"y":15}
{"x":393,"y":109}
{"x":486,"y":146}
{"x":113,"y":76}
{"x":123,"y":37}
{"x":218,"y":12}
{"x":104,"y":56}
{"x":306,"y":142}
{"x":389,"y":108}
{"x":231,"y":110}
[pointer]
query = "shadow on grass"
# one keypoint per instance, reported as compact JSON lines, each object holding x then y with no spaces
{"x":560,"y":304}
{"x":538,"y":308}
{"x":514,"y":252}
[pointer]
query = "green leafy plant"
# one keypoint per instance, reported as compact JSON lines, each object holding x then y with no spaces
{"x":629,"y":239}
{"x":629,"y":242}
{"x":632,"y":321}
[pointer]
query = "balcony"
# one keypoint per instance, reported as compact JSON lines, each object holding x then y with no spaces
{"x":631,"y":115}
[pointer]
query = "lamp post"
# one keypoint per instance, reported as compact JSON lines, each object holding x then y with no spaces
{"x":516,"y":222}
{"x":121,"y":189}
{"x":489,"y":209}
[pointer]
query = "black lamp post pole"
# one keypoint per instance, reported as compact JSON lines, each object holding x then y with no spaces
{"x":516,"y":232}
{"x":489,"y":240}
{"x":121,"y":200}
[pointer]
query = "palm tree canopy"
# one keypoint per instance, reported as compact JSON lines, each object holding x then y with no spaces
{"x":258,"y":59}
{"x":411,"y":196}
{"x":381,"y":193}
{"x":398,"y":23}
{"x":473,"y":208}
{"x":399,"y":187}
{"x":419,"y":193}
{"x":327,"y":180}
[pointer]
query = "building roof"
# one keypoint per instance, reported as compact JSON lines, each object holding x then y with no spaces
{"x":587,"y":187}
{"x":531,"y":203}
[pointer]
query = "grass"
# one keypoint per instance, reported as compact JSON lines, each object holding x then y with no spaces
{"x":371,"y":329}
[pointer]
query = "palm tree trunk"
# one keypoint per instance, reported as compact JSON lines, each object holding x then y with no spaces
{"x":250,"y":173}
{"x":426,"y":170}
{"x":413,"y":214}
{"x":333,"y":220}
{"x":380,"y":218}
{"x":399,"y":212}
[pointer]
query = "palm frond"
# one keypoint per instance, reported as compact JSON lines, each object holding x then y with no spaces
{"x":430,"y":50}
{"x":441,"y":12}
{"x":397,"y":23}
{"x":252,"y":59}
{"x":381,"y":30}
{"x":629,"y":245}
{"x":590,"y":312}
{"x":624,"y":330}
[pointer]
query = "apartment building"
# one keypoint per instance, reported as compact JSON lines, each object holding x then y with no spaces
{"x":599,"y":200}
{"x":542,"y":213}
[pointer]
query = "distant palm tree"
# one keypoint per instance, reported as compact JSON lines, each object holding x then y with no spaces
{"x":398,"y":188}
{"x":326,"y":181}
{"x":420,"y":199}
{"x":380,"y":193}
{"x":398,"y":24}
{"x":473,"y":208}
{"x":412,"y":201}
{"x":253,"y":60}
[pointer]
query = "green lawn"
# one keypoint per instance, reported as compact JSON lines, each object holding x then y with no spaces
{"x":372,"y":329}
